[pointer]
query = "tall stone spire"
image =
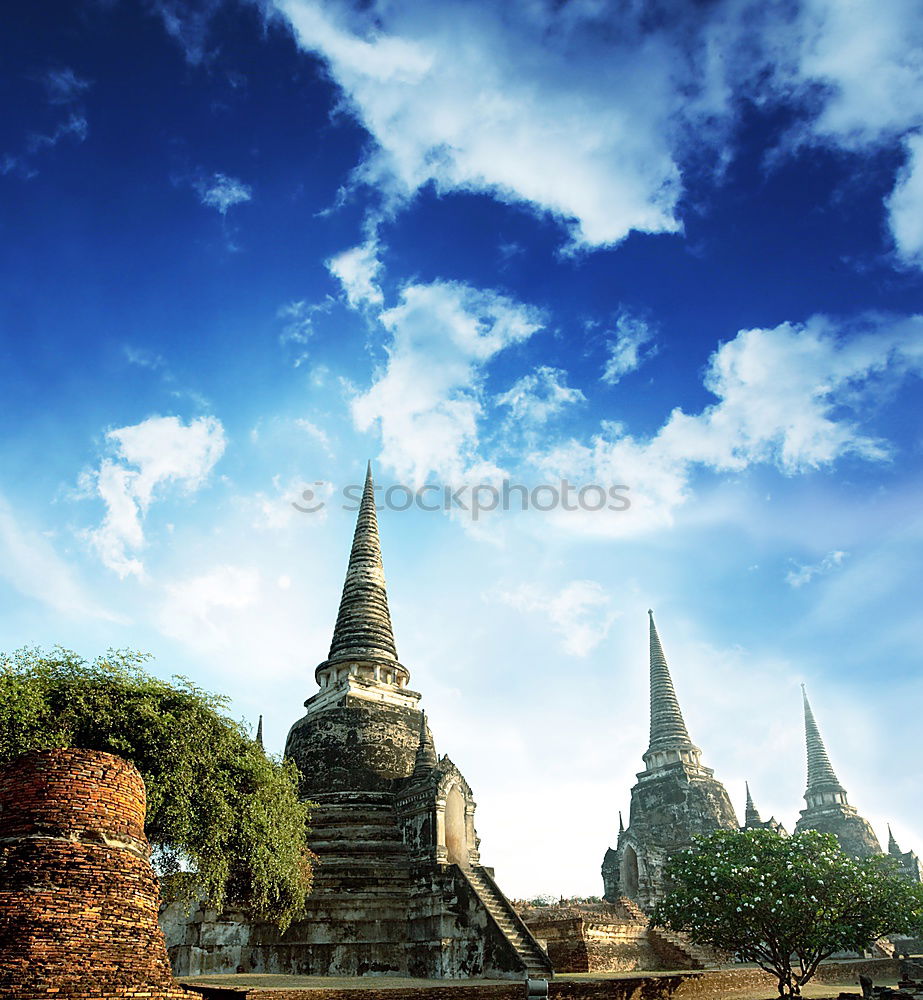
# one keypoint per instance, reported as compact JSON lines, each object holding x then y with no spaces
{"x":259,"y":732}
{"x":751,"y":816}
{"x":822,"y":781}
{"x":827,"y":807}
{"x":363,"y":628}
{"x":669,"y":736}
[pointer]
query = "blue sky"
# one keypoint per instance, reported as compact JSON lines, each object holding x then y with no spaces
{"x":676,"y":247}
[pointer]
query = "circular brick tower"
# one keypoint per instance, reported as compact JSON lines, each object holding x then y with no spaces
{"x":78,"y":896}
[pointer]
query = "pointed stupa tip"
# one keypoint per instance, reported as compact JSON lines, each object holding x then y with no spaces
{"x":668,"y":728}
{"x":259,"y":733}
{"x":363,"y":629}
{"x":621,"y":824}
{"x":820,"y":770}
{"x":892,"y":843}
{"x":751,"y":815}
{"x":426,"y":758}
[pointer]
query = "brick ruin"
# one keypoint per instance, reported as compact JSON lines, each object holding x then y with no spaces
{"x":78,"y":896}
{"x":400,"y":888}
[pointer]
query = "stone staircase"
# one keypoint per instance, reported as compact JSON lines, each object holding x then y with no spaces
{"x":535,"y":962}
{"x":674,"y":950}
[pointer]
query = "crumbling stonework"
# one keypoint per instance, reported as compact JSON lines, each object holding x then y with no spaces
{"x":78,"y":897}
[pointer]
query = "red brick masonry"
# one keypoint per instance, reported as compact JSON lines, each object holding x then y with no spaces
{"x":78,"y":896}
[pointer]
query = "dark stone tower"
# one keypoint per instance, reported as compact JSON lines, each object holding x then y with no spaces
{"x":676,"y":797}
{"x":910,"y":865}
{"x":827,"y":809}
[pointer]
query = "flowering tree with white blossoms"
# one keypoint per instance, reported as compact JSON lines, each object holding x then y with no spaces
{"x":785,"y":903}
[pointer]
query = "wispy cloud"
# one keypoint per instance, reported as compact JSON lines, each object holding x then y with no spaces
{"x":222,"y":192}
{"x":199,"y":609}
{"x":31,"y":564}
{"x":581,"y":613}
{"x":803,"y":574}
{"x":64,"y":86}
{"x":155,"y":453}
{"x":537,"y":397}
{"x":626,"y":345}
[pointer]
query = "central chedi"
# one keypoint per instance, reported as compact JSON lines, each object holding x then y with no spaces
{"x":400,"y":889}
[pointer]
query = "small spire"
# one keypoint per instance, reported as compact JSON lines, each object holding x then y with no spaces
{"x":259,"y":733}
{"x":751,"y":816}
{"x":621,"y":824}
{"x":893,"y":849}
{"x":426,"y":758}
{"x":363,"y":629}
{"x":668,"y":729}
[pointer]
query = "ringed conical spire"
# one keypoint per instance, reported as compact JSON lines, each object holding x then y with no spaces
{"x":893,"y":849}
{"x":363,"y":628}
{"x":751,"y":815}
{"x":667,"y":725}
{"x":426,"y":758}
{"x":821,"y":776}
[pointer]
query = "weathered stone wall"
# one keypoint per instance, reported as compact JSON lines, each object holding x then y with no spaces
{"x":577,"y":944}
{"x":78,"y":897}
{"x":353,"y":746}
{"x":855,"y":834}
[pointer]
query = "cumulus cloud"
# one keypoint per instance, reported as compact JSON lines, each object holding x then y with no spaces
{"x":626,"y":346}
{"x":791,"y":396}
{"x":523,"y":102}
{"x":581,"y":612}
{"x":905,"y":205}
{"x":155,"y":453}
{"x":428,"y":398}
{"x":222,"y":192}
{"x":803,"y":574}
{"x":589,"y":112}
{"x":536,"y":398}
{"x":357,"y":271}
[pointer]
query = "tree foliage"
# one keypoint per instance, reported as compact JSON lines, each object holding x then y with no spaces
{"x":784,"y":902}
{"x":216,"y":803}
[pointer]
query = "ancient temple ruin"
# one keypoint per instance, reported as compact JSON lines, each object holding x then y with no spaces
{"x":676,"y":797}
{"x":400,"y":888}
{"x":752,"y":820}
{"x":827,"y":808}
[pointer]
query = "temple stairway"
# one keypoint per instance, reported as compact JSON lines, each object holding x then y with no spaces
{"x":673,"y":949}
{"x":535,"y":962}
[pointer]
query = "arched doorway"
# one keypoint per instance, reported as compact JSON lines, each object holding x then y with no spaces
{"x":456,"y":835}
{"x":630,"y":872}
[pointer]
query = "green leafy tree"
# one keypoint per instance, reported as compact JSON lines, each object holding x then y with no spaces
{"x":217,"y":805}
{"x":785,"y":903}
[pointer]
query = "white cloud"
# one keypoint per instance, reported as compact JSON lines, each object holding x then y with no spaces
{"x":427,"y":400}
{"x":298,"y":328}
{"x":317,"y":434}
{"x":803,"y":574}
{"x":222,"y":192}
{"x":201,"y":610}
{"x":791,"y":396}
{"x":535,"y":398}
{"x":29,"y":561}
{"x":581,"y":612}
{"x":625,"y":348}
{"x":154,"y":453}
{"x":357,"y":271}
{"x":74,"y":125}
{"x":589,"y":111}
{"x":905,"y":204}
{"x":529,"y":104}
